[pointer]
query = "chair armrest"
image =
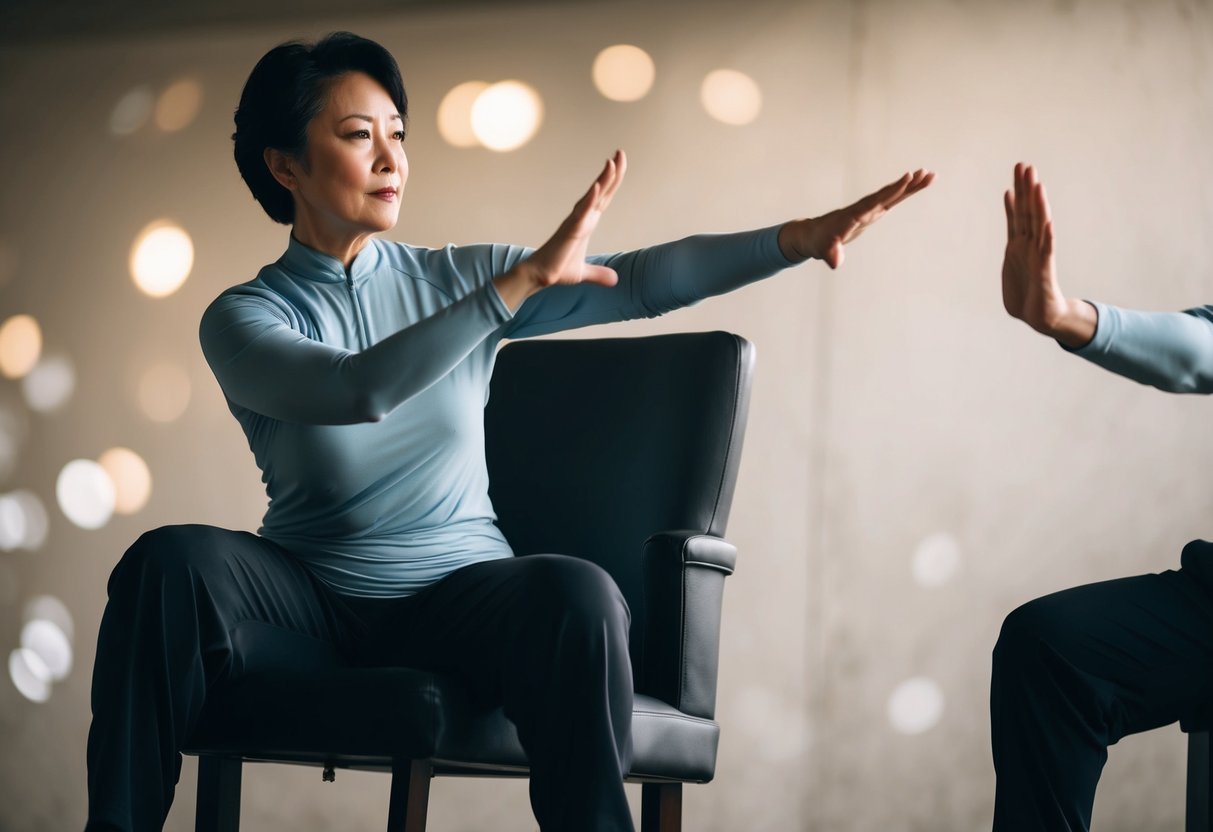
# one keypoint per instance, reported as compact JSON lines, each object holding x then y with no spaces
{"x":684,"y":576}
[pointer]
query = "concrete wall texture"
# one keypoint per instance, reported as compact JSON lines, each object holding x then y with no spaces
{"x":917,"y":464}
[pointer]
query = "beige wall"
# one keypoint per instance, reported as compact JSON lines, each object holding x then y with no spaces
{"x":893,"y":401}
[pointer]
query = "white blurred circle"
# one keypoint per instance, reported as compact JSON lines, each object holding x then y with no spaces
{"x":85,"y":493}
{"x":164,"y":392}
{"x":131,"y":111}
{"x":178,"y":105}
{"x":623,"y":72}
{"x":50,"y":608}
{"x":455,"y":114}
{"x":12,"y":523}
{"x":731,"y":96}
{"x":131,"y":477}
{"x":20,"y":345}
{"x":936,"y":559}
{"x":161,"y":258}
{"x":506,"y":115}
{"x":36,"y":524}
{"x":49,"y":385}
{"x":30,"y":674}
{"x":915,"y":706}
{"x":49,"y":643}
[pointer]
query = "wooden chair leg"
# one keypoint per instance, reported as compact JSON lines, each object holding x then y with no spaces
{"x":661,"y":807}
{"x":1199,"y":783}
{"x":410,"y":796}
{"x":218,"y":794}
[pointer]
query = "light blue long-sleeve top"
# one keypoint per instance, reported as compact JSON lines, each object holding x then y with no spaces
{"x":1172,"y":351}
{"x":362,"y":391}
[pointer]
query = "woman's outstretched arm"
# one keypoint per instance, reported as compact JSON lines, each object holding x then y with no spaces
{"x":1172,"y":351}
{"x":658,"y":279}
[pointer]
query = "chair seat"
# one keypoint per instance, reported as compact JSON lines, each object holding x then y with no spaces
{"x":363,"y":718}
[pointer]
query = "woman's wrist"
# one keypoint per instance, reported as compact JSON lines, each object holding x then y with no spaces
{"x":515,"y":286}
{"x":1076,"y":327}
{"x":786,"y":238}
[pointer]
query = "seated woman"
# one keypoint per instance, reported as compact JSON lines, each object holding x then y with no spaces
{"x":1077,"y":670}
{"x":358,"y":369}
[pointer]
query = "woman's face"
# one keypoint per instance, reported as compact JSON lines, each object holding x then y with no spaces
{"x":353,"y":171}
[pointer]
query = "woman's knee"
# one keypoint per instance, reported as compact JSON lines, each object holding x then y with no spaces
{"x":167,"y":553}
{"x":574,"y":588}
{"x":1028,"y":633}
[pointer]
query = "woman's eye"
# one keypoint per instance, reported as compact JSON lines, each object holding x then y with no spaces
{"x":360,"y":134}
{"x":399,"y":135}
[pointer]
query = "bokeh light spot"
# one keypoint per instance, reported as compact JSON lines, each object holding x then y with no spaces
{"x":50,"y":384}
{"x":623,"y":72}
{"x":23,"y":521}
{"x":506,"y":115}
{"x":85,"y":493}
{"x":936,"y":559}
{"x":30,"y":675}
{"x":131,"y":111}
{"x":131,"y":477}
{"x":731,"y":96}
{"x":50,"y":608}
{"x":455,"y":114}
{"x":161,"y":258}
{"x":178,"y":105}
{"x":915,"y":706}
{"x":46,"y":640}
{"x":164,"y":392}
{"x":20,"y":345}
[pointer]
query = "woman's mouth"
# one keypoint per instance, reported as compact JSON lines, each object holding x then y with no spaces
{"x":386,"y":194}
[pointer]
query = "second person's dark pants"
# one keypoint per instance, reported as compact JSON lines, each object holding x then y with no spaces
{"x":546,"y":636}
{"x":1076,"y":671}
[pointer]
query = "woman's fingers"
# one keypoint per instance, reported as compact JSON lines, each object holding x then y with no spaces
{"x":1008,"y":203}
{"x":1042,"y":213}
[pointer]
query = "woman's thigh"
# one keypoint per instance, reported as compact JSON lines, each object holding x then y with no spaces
{"x":1144,"y":644}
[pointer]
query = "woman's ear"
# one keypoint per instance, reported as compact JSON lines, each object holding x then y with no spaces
{"x":282,"y":167}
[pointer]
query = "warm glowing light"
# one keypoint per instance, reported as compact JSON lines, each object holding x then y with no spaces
{"x":131,"y":111}
{"x":455,"y":114}
{"x":164,"y":392}
{"x":623,"y":72}
{"x":49,"y":643}
{"x":131,"y":477}
{"x":85,"y":493}
{"x":506,"y":115}
{"x":178,"y":105}
{"x":49,"y":385}
{"x":731,"y":96}
{"x":30,"y":674}
{"x":915,"y":706}
{"x":23,"y":521}
{"x":161,"y":258}
{"x":20,"y":345}
{"x":50,"y":608}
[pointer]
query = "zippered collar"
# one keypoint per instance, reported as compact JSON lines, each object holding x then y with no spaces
{"x":309,"y":264}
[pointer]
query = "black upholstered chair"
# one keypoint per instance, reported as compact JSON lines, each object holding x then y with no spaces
{"x":621,"y":451}
{"x":1199,"y":783}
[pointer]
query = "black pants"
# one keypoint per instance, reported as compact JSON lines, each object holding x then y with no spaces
{"x":1077,"y":670}
{"x":546,"y":636}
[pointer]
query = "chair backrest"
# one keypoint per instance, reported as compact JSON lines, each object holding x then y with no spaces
{"x":593,"y":445}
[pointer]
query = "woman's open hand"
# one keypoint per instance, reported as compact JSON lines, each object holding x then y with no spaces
{"x":825,"y":237}
{"x":561,"y":260}
{"x":1030,"y":291}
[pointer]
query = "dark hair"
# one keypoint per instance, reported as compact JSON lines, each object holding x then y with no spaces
{"x":285,"y":91}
